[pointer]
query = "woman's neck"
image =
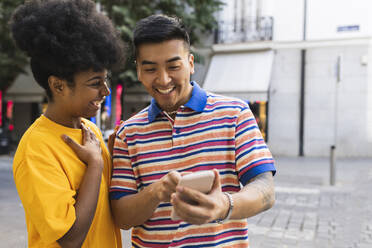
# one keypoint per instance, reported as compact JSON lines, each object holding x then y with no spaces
{"x":60,"y":116}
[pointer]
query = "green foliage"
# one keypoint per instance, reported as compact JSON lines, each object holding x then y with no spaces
{"x":12,"y":60}
{"x":197,"y":15}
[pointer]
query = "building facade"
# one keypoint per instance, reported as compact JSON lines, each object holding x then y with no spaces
{"x":304,"y":66}
{"x":309,"y":61}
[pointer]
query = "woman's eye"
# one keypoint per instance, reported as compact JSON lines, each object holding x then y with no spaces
{"x":97,"y":83}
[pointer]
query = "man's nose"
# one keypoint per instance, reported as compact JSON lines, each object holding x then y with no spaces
{"x":163,"y":77}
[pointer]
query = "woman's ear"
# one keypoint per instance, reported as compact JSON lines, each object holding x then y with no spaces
{"x":56,"y":85}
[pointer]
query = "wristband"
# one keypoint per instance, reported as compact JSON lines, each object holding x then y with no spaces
{"x":231,"y":206}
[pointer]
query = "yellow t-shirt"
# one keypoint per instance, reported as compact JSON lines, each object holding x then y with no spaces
{"x":47,"y":174}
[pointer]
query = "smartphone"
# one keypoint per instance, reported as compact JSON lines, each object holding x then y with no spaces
{"x":200,"y":180}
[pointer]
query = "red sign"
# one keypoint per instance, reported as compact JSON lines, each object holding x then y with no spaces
{"x":1,"y":104}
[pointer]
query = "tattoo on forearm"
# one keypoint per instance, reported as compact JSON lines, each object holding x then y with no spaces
{"x":264,"y":185}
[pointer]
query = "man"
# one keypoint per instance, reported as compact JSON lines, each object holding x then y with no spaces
{"x":186,"y":129}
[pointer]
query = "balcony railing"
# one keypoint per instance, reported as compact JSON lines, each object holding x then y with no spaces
{"x":245,"y":30}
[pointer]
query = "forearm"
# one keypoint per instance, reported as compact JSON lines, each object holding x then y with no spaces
{"x":134,"y":210}
{"x":85,"y":207}
{"x":255,"y":197}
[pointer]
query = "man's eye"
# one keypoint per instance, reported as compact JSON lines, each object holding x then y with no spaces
{"x":150,"y":70}
{"x":175,"y":67}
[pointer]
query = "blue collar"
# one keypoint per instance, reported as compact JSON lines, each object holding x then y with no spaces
{"x":197,"y":102}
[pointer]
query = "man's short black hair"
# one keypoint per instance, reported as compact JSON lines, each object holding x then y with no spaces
{"x":157,"y":29}
{"x":63,"y":37}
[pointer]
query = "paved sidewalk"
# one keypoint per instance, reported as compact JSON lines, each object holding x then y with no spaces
{"x":12,"y":221}
{"x":308,"y":212}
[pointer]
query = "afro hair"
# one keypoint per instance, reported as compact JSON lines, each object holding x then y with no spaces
{"x":63,"y":37}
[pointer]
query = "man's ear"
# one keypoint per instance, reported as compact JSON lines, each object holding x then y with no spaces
{"x":56,"y":85}
{"x":191,"y":61}
{"x":138,"y":71}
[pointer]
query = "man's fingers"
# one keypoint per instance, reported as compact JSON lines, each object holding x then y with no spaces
{"x":75,"y":146}
{"x":117,"y":127}
{"x":217,"y":181}
{"x":194,"y":196}
{"x":187,"y":212}
{"x":168,"y":184}
{"x":110,"y":143}
{"x":174,"y":176}
{"x":112,"y":136}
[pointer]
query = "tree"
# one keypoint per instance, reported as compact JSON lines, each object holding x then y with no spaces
{"x":197,"y":15}
{"x":12,"y":60}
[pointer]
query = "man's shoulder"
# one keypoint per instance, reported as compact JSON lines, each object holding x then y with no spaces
{"x":140,"y":117}
{"x":137,"y":120}
{"x":216,"y":100}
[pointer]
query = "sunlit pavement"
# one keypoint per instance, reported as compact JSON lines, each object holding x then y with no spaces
{"x":307,"y":213}
{"x":310,"y":213}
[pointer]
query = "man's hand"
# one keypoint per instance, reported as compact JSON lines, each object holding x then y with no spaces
{"x":90,"y":151}
{"x":111,"y":139}
{"x":140,"y":207}
{"x":205,"y":207}
{"x":166,"y":186}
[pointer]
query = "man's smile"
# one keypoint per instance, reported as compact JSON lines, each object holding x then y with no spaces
{"x":165,"y":91}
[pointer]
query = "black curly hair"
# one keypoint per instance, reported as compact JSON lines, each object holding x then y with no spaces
{"x":63,"y":37}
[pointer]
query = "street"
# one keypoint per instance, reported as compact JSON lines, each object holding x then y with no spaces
{"x":12,"y":223}
{"x":307,"y":213}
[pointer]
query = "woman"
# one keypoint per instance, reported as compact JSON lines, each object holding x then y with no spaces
{"x":61,"y":167}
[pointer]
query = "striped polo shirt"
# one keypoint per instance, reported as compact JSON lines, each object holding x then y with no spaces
{"x":209,"y":131}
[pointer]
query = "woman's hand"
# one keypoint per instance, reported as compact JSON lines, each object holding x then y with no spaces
{"x":90,"y":151}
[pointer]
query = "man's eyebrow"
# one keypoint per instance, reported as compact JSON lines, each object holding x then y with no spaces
{"x":146,"y":62}
{"x":174,"y":59}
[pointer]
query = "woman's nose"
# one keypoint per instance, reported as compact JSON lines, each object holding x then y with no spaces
{"x":106,"y":90}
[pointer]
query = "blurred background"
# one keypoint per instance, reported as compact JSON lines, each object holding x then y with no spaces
{"x":302,"y":65}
